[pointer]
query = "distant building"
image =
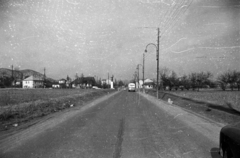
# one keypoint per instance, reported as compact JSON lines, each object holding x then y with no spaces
{"x":55,"y":85}
{"x":18,"y":82}
{"x":148,"y":84}
{"x":62,"y":83}
{"x":32,"y":82}
{"x":107,"y":82}
{"x":83,"y":82}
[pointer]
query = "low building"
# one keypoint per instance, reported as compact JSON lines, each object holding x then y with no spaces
{"x":18,"y":82}
{"x":84,"y":82}
{"x":32,"y":82}
{"x":107,"y":83}
{"x":55,"y":85}
{"x":62,"y":83}
{"x":148,"y":84}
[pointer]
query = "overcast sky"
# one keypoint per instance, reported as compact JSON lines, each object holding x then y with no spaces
{"x":95,"y":37}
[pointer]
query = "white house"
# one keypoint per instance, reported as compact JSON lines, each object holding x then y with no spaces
{"x":32,"y":82}
{"x":107,"y":82}
{"x":55,"y":85}
{"x":148,"y":84}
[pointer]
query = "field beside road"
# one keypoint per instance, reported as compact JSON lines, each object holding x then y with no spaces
{"x":19,"y":106}
{"x":228,"y":99}
{"x":221,"y":106}
{"x":10,"y":96}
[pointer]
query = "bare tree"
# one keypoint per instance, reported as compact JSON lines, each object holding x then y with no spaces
{"x":184,"y":82}
{"x":173,"y":81}
{"x":233,"y":78}
{"x":223,"y":81}
{"x":238,"y":81}
{"x":229,"y":77}
{"x":193,"y":80}
{"x":203,"y":78}
{"x":169,"y":78}
{"x":164,"y":75}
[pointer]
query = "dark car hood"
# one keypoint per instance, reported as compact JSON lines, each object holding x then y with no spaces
{"x":232,"y":131}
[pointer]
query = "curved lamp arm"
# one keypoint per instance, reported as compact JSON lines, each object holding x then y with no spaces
{"x":153,"y":45}
{"x":139,"y":65}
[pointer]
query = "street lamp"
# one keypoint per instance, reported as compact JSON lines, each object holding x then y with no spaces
{"x":157,"y":58}
{"x":135,"y":76}
{"x":138,"y":73}
{"x":143,"y":70}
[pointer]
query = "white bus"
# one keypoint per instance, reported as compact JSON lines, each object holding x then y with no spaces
{"x":131,"y":87}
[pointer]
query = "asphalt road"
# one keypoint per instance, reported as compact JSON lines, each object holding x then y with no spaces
{"x":126,"y":125}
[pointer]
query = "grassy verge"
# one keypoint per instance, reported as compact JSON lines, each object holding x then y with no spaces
{"x":228,"y":99}
{"x":11,"y":96}
{"x":221,"y":113}
{"x":15,"y":115}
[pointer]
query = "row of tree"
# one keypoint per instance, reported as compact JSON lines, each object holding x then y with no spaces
{"x":98,"y":82}
{"x":229,"y":78}
{"x":195,"y":81}
{"x":5,"y":81}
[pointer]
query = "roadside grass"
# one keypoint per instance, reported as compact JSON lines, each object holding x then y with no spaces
{"x":10,"y":96}
{"x":16,"y":114}
{"x":209,"y":104}
{"x":228,"y":99}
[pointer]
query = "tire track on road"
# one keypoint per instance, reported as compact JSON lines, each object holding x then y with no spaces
{"x":118,"y":146}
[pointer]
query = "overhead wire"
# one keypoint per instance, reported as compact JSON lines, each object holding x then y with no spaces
{"x":176,"y":18}
{"x":165,"y":15}
{"x":178,"y":11}
{"x":169,"y":15}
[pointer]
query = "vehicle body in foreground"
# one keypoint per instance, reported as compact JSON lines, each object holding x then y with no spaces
{"x":131,"y":87}
{"x":230,"y":141}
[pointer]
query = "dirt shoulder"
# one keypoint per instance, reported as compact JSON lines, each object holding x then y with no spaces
{"x":212,"y":111}
{"x":18,"y":117}
{"x":204,"y":126}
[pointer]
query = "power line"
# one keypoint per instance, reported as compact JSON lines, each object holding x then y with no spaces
{"x":173,"y":15}
{"x":171,"y":11}
{"x":174,"y":24}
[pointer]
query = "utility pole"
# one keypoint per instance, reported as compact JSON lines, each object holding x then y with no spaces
{"x":12,"y":75}
{"x":143,"y":71}
{"x":135,"y":77}
{"x":157,"y":56}
{"x":158,"y":43}
{"x":138,"y":77}
{"x":108,"y":80}
{"x":44,"y":78}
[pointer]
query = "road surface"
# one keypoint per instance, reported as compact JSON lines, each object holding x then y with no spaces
{"x":126,"y":125}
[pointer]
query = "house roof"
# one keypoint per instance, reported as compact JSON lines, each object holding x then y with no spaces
{"x":148,"y":81}
{"x":33,"y":78}
{"x":84,"y":80}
